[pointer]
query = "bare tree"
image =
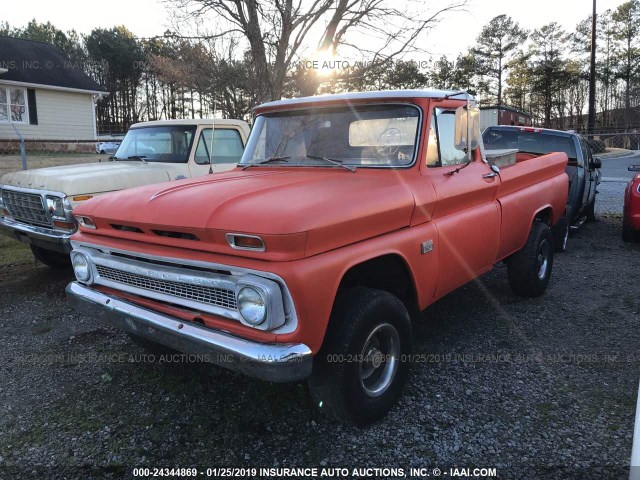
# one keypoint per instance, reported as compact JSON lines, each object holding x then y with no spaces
{"x":278,"y":31}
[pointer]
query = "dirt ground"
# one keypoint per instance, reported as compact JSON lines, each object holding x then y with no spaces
{"x":534,"y":387}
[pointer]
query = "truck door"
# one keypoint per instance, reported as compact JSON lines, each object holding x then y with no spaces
{"x":223,"y":148}
{"x":466,"y":215}
{"x":589,"y":173}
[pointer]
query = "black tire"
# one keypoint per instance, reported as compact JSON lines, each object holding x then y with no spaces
{"x":628,"y":234}
{"x":560,"y":233}
{"x":51,"y":259}
{"x":529,"y":269}
{"x":346,"y":384}
{"x":590,"y":211}
{"x":151,"y":346}
{"x":102,"y":152}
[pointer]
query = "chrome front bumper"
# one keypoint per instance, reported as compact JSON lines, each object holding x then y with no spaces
{"x":42,"y":237}
{"x":272,"y":362}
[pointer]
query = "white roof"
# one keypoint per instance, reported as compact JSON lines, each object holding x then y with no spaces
{"x":366,"y":96}
{"x":191,"y":121}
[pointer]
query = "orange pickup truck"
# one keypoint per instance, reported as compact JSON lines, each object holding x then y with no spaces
{"x":346,"y":215}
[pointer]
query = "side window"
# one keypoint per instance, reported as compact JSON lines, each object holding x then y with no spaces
{"x":227,"y":146}
{"x":444,"y":121}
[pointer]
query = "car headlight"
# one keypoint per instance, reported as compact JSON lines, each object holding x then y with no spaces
{"x":81,"y":266}
{"x":252,"y":306}
{"x":55,"y":206}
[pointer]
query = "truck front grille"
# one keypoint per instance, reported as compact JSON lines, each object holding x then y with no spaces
{"x":208,"y":295}
{"x":26,"y":207}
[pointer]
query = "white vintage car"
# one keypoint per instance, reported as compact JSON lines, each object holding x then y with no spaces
{"x":36,"y":205}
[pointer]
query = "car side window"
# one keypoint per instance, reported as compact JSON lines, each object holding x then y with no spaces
{"x":447,"y":154}
{"x":227,"y":146}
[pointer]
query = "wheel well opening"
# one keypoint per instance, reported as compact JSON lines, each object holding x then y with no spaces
{"x":388,"y":273}
{"x":545,"y":216}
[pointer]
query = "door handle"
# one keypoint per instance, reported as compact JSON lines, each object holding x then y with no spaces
{"x":490,"y":175}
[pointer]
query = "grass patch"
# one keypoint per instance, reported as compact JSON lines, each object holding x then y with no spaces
{"x":12,"y":252}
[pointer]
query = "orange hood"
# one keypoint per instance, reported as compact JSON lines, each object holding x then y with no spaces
{"x":297,"y":211}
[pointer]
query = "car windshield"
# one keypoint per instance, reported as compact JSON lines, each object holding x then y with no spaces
{"x":170,"y":144}
{"x":355,"y":136}
{"x":530,"y":142}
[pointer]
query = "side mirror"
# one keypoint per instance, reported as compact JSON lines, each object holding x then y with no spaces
{"x":467,"y":120}
{"x":634,"y":168}
{"x":596,"y":162}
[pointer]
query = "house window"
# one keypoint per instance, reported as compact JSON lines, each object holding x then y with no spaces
{"x":13,"y":105}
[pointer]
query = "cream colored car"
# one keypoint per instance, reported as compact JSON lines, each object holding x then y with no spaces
{"x":36,"y":205}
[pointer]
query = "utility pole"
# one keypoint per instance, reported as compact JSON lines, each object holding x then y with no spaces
{"x":592,"y":75}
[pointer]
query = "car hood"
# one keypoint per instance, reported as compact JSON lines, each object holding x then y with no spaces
{"x":298,"y":212}
{"x":89,"y":177}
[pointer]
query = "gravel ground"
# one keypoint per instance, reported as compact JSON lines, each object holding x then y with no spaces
{"x":542,"y":388}
{"x":610,"y":197}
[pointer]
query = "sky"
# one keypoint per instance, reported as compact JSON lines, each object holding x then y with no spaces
{"x":455,"y":32}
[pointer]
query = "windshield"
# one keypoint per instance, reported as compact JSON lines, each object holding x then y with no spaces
{"x":529,"y":142}
{"x":170,"y":144}
{"x":361,"y":136}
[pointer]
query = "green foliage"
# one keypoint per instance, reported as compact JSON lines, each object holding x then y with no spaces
{"x":495,"y":47}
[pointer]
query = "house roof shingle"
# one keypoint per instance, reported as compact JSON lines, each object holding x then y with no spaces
{"x":41,"y":63}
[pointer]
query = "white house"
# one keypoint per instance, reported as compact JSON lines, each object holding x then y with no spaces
{"x":43,"y":94}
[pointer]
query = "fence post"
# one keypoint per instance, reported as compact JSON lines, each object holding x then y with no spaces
{"x":23,"y":150}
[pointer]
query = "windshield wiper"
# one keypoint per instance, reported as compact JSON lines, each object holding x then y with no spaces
{"x":267,"y":160}
{"x":142,"y":158}
{"x":333,"y":161}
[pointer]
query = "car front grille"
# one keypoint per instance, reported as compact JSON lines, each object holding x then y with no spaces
{"x":26,"y":207}
{"x":219,"y":297}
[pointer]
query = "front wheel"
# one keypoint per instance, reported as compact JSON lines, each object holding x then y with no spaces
{"x":51,"y":259}
{"x":359,"y":373}
{"x":529,"y":270}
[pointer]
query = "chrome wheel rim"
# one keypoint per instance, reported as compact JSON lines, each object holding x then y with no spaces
{"x":379,"y":360}
{"x":543,"y":259}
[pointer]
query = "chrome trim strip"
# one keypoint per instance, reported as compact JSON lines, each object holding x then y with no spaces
{"x":291,"y":322}
{"x":272,"y":362}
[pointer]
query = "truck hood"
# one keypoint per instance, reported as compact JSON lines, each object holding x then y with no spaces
{"x":89,"y":177}
{"x":298,"y":212}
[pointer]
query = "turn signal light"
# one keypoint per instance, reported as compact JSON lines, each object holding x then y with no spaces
{"x":240,"y":241}
{"x":65,"y":225}
{"x":81,"y":198}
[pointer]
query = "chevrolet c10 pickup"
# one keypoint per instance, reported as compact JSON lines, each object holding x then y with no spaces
{"x":36,"y":206}
{"x":347,"y":215}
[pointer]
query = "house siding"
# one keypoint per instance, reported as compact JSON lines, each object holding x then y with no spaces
{"x":61,"y":116}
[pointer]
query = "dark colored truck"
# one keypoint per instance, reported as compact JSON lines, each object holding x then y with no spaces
{"x":583,"y":168}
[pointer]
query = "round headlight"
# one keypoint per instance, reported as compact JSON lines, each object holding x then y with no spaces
{"x":251,"y":306}
{"x":81,"y":267}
